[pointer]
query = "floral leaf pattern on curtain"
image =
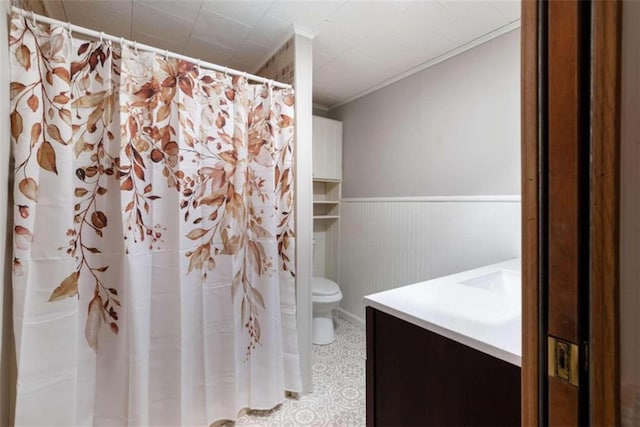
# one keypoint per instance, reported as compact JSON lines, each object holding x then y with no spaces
{"x":231,"y":150}
{"x":284,"y":182}
{"x":94,"y":101}
{"x":150,"y":134}
{"x":153,"y":236}
{"x":35,"y":107}
{"x":71,"y":99}
{"x":149,"y":137}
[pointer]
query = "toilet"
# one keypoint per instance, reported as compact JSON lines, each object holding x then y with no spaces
{"x":326,"y":296}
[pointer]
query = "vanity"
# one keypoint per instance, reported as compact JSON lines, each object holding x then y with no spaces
{"x":446,"y":352}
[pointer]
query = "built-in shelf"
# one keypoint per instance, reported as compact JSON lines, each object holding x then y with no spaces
{"x":325,"y":217}
{"x":326,"y":224}
{"x":323,"y":209}
{"x":326,"y":199}
{"x":327,"y":180}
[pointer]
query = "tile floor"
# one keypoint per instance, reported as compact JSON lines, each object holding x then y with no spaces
{"x":338,"y":399}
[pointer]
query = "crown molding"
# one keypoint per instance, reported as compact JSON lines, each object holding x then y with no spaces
{"x":304,"y":32}
{"x":430,"y":63}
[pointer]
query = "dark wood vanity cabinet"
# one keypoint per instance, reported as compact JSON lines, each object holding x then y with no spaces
{"x":418,"y":378}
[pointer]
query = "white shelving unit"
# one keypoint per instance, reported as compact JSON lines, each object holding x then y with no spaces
{"x":326,"y":227}
{"x":327,"y":191}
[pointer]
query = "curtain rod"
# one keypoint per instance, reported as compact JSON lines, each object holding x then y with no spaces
{"x":102,"y":36}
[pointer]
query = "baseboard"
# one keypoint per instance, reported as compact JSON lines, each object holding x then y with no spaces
{"x":351,"y":318}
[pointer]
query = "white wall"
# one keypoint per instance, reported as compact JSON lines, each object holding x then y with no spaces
{"x":452,"y":129}
{"x":304,"y":206}
{"x":387,"y":243}
{"x":293,"y":63}
{"x":630,"y":221}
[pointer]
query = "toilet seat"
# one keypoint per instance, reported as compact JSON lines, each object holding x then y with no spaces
{"x":321,"y":286}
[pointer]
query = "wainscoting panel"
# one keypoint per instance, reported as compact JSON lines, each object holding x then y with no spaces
{"x":387,"y":243}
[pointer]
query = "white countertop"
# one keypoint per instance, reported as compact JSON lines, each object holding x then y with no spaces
{"x":483,"y":316}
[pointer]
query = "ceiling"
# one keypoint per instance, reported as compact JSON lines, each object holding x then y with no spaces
{"x":358,"y":44}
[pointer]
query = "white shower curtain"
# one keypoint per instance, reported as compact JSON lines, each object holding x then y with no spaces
{"x":153,"y":237}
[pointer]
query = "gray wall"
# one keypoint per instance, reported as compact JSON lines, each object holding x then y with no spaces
{"x":452,"y":129}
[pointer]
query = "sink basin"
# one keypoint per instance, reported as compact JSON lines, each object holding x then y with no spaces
{"x":505,"y":282}
{"x":481,"y":308}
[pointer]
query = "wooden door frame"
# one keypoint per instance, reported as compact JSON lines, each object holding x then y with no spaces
{"x":530,"y":182}
{"x":604,"y":215}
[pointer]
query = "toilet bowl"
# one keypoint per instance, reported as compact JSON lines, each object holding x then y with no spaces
{"x":326,"y":296}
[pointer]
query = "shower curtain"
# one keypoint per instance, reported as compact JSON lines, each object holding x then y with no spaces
{"x":153,"y":268}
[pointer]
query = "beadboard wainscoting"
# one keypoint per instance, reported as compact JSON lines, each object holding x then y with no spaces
{"x":390,"y":242}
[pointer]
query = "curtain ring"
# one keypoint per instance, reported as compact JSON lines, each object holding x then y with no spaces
{"x":166,"y":54}
{"x":69,"y":28}
{"x":135,"y":46}
{"x":226,"y":69}
{"x":33,"y":18}
{"x":246,"y":76}
{"x":122,"y":43}
{"x":198,"y":63}
{"x":101,"y":36}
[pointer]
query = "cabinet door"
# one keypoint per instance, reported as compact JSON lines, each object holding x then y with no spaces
{"x":318,"y":143}
{"x":334,"y":149}
{"x":434,"y":381}
{"x":327,"y":148}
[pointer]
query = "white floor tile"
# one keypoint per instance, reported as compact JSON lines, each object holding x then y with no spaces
{"x":338,"y":399}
